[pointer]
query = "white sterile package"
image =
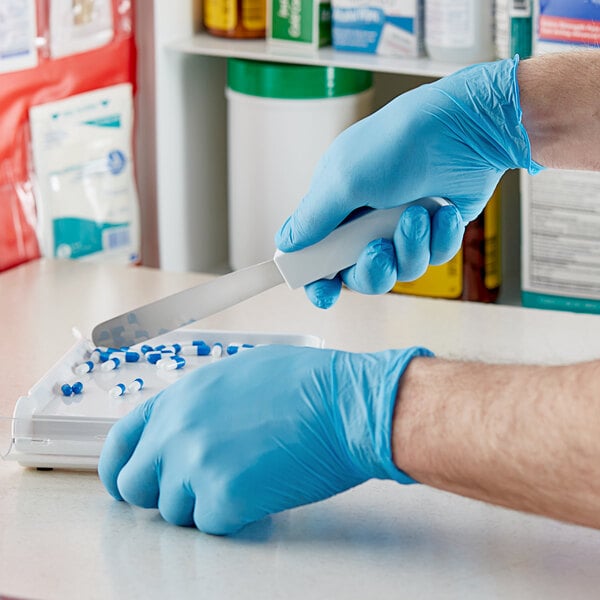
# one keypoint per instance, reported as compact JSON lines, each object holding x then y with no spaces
{"x":18,"y":29}
{"x":64,"y":419}
{"x":79,"y":25}
{"x":84,"y":176}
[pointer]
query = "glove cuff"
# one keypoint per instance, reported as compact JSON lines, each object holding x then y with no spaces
{"x":533,"y":168}
{"x":489,"y":114}
{"x":368,"y":424}
{"x":387,"y":404}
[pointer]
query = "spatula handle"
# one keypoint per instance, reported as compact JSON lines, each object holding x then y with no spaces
{"x":343,"y":246}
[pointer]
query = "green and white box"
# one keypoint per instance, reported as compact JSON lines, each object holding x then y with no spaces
{"x":561,"y":240}
{"x":299,"y":24}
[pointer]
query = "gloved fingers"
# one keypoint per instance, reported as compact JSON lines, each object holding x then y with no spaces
{"x":412,"y":243}
{"x":215,"y":518}
{"x":176,"y":501}
{"x":138,"y":481}
{"x":119,"y":446}
{"x":317,"y":215}
{"x":324,"y":292}
{"x":447,"y":230}
{"x":375,"y":269}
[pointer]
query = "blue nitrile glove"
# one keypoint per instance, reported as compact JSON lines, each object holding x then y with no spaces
{"x":266,"y":430}
{"x":453,"y":138}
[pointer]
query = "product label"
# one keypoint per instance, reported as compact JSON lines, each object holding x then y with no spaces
{"x":575,"y":22}
{"x":561,"y":244}
{"x":450,"y":23}
{"x":518,"y":8}
{"x":292,"y":20}
{"x":382,"y":27}
{"x":220,"y":14}
{"x":254,"y":14}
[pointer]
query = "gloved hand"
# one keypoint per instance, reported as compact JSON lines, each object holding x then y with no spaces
{"x":263,"y":431}
{"x":453,"y":138}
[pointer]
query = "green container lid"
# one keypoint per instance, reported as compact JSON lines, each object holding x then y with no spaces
{"x":294,"y":82}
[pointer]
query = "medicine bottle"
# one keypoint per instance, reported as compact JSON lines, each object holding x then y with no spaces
{"x":475,"y":272}
{"x":460,"y":31}
{"x":235,"y":18}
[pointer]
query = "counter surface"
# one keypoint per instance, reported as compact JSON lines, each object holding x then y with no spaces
{"x":62,"y":536}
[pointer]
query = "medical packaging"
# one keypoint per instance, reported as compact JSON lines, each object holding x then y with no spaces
{"x":514,"y":28}
{"x":79,"y":26}
{"x":565,"y":24}
{"x":18,"y":31}
{"x":84,"y":176}
{"x":389,"y":27}
{"x":299,"y":25}
{"x":560,"y":249}
{"x":51,"y":429}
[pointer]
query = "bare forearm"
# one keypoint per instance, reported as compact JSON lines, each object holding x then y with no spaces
{"x":561,"y":110}
{"x":523,"y":437}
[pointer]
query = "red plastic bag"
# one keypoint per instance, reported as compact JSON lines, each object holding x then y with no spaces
{"x":52,"y":79}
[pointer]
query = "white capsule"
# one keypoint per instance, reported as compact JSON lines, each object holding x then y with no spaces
{"x":95,"y":355}
{"x":136,"y":385}
{"x":84,"y":367}
{"x":111,"y":364}
{"x":172,"y":363}
{"x":217,"y":350}
{"x":117,"y":390}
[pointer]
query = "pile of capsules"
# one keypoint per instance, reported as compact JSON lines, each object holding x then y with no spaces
{"x":168,"y":357}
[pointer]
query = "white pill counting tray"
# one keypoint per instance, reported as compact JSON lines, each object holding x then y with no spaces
{"x":49,"y":429}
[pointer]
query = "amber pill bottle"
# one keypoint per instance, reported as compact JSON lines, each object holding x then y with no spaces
{"x":235,"y":18}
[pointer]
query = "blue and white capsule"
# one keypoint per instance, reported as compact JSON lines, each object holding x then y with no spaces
{"x":136,"y":385}
{"x":127,"y":356}
{"x":217,"y":350}
{"x":84,"y":367}
{"x":117,"y":390}
{"x":153,"y":356}
{"x":111,"y":364}
{"x":201,"y":349}
{"x":171,"y":363}
{"x":171,"y":349}
{"x":77,"y":387}
{"x":96,"y":355}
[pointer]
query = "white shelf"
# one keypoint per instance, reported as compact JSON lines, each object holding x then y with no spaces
{"x":207,"y":45}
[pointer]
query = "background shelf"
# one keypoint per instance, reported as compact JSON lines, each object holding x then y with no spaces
{"x":208,"y":45}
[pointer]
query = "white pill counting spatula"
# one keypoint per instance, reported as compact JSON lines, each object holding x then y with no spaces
{"x":339,"y":250}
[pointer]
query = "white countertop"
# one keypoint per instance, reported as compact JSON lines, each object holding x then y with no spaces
{"x":62,"y":536}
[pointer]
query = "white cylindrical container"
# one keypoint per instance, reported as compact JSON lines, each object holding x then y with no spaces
{"x":281,"y":119}
{"x":460,"y":31}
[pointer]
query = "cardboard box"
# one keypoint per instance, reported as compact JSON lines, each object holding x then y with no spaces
{"x":560,"y":244}
{"x":388,"y":27}
{"x":566,"y":24}
{"x":299,"y":24}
